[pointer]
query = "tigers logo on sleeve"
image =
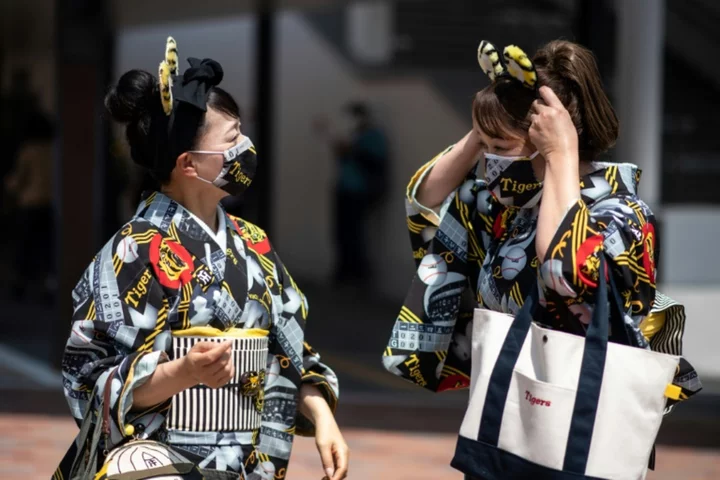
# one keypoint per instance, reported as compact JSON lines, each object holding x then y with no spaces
{"x":588,"y":260}
{"x":171,"y":261}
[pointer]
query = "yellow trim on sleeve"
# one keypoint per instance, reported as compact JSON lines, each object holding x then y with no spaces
{"x":432,"y":215}
{"x":652,"y":324}
{"x":216,"y":332}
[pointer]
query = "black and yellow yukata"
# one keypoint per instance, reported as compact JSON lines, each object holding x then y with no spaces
{"x":474,"y":252}
{"x":166,"y":273}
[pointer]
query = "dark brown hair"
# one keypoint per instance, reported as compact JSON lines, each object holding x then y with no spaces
{"x":570,"y":70}
{"x":135,"y":101}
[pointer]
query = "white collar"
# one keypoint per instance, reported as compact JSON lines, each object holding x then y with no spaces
{"x":221,"y":236}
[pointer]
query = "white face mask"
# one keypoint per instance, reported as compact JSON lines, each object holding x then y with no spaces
{"x":238,"y":168}
{"x":512,"y":180}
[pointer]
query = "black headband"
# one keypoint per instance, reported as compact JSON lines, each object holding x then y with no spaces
{"x":190,"y":94}
{"x":184,"y":100}
{"x":196,"y":82}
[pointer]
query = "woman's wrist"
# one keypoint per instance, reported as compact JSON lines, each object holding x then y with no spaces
{"x":313,"y":404}
{"x":470,"y":149}
{"x":179,"y":368}
{"x":175,"y":376}
{"x":562,"y":157}
{"x":169,"y":379}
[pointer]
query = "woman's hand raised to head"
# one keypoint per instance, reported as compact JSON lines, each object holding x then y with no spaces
{"x":449,"y":171}
{"x":552,"y":130}
{"x":554,"y":135}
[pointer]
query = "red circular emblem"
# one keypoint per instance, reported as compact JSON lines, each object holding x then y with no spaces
{"x":171,"y":262}
{"x":588,"y":260}
{"x":648,"y":249}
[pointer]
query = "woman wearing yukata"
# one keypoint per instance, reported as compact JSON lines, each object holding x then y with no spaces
{"x":538,"y":210}
{"x":187,"y":328}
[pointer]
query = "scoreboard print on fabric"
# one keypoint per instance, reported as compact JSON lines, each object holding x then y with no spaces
{"x":474,"y":252}
{"x":163,"y":272}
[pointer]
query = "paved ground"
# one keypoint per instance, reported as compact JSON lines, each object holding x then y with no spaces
{"x":31,"y":446}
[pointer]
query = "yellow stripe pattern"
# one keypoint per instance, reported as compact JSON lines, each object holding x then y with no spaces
{"x":143,"y":238}
{"x":516,"y":294}
{"x":611,"y":176}
{"x":448,"y":370}
{"x":117,"y":264}
{"x":624,"y":259}
{"x":266,"y":264}
{"x":414,"y":227}
{"x":159,"y":326}
{"x":579,"y":227}
{"x":406,"y":315}
{"x":184,"y":306}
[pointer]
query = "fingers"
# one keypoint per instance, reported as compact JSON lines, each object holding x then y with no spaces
{"x":222,"y":376}
{"x":549,"y":97}
{"x":201,"y":347}
{"x":215,"y":354}
{"x":539,"y":107}
{"x":216,"y":367}
{"x":326,"y":457}
{"x":341,"y":457}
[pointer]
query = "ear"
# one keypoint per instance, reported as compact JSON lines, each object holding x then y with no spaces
{"x":185,"y":165}
{"x":520,"y":66}
{"x":490,"y":61}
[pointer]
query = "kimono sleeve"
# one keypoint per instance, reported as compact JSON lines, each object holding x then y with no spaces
{"x":291,"y":362}
{"x":423,"y":221}
{"x":431,"y":214}
{"x":430,"y":341}
{"x":324,"y":378}
{"x":314,"y":371}
{"x":623,"y":229}
{"x":118,"y":337}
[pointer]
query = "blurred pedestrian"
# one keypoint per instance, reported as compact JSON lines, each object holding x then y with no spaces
{"x":29,"y":185}
{"x":361,"y":185}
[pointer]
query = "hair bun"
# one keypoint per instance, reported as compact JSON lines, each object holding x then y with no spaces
{"x":133,"y":96}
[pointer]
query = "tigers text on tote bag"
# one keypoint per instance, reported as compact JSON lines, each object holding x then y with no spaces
{"x":551,"y":405}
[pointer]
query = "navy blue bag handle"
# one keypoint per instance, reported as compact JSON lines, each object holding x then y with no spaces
{"x":592,"y":368}
{"x":591,"y":373}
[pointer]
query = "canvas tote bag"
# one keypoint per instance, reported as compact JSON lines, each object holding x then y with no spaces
{"x":551,"y":405}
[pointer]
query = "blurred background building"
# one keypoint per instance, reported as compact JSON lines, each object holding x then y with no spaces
{"x":294,"y":65}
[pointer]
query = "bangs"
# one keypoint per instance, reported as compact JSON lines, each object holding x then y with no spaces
{"x":502,"y":109}
{"x":490,"y":115}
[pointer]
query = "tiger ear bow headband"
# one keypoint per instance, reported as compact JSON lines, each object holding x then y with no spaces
{"x":167,"y":69}
{"x":513,"y":63}
{"x":193,"y":86}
